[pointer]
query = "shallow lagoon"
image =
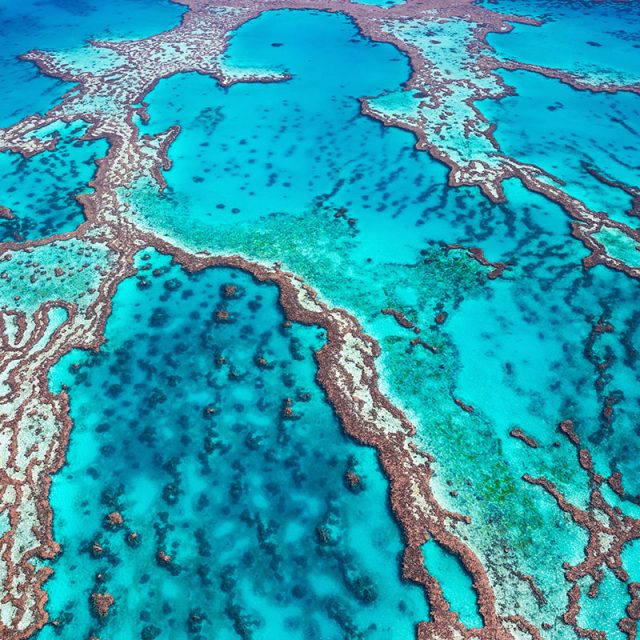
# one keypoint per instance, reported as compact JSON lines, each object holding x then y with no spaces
{"x":64,"y":24}
{"x":590,"y":39}
{"x":579,"y":131}
{"x":514,"y":348}
{"x":41,"y":191}
{"x":180,"y":426}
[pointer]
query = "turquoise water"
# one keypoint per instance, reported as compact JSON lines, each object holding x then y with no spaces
{"x":514,"y":349}
{"x":267,"y":537}
{"x":64,"y":24}
{"x":292,"y":172}
{"x":41,"y":191}
{"x":560,"y":142}
{"x":256,"y":149}
{"x":594,"y":40}
{"x":456,"y":583}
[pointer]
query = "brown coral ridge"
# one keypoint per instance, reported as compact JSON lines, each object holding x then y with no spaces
{"x":37,"y":425}
{"x":631,"y":191}
{"x":602,"y":365}
{"x":425,"y":345}
{"x":535,"y":589}
{"x":399,"y":317}
{"x":498,"y":268}
{"x":6,"y":213}
{"x":101,"y":603}
{"x":521,"y":435}
{"x":629,"y":624}
{"x":608,"y":530}
{"x":464,"y":406}
{"x":36,"y":422}
{"x":346,"y":369}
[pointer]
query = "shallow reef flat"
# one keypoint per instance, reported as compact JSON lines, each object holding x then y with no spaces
{"x":319,"y":319}
{"x":63,"y":25}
